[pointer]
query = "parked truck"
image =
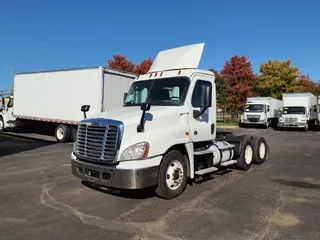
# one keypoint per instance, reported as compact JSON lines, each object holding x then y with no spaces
{"x":53,"y":98}
{"x":318,"y":119}
{"x":299,"y":111}
{"x":261,"y":111}
{"x":164,"y":133}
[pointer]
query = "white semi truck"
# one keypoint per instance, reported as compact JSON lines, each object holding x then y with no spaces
{"x":47,"y":98}
{"x":261,"y":111}
{"x":299,"y":111}
{"x":165,"y":132}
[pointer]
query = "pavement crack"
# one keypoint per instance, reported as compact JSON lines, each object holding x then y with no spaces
{"x":157,"y":229}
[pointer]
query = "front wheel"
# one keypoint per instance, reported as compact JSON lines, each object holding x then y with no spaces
{"x":172,"y":179}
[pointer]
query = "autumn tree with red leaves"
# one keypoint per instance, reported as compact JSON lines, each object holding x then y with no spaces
{"x":144,"y":66}
{"x":305,"y":84}
{"x":121,"y":63}
{"x":240,"y":79}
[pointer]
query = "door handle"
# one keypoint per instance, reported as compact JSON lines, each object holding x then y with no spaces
{"x":212,"y":128}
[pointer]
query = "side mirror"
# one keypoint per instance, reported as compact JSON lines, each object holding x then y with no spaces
{"x":125,"y":97}
{"x":206,"y":101}
{"x":145,"y":107}
{"x":84,"y":109}
{"x":207,"y":96}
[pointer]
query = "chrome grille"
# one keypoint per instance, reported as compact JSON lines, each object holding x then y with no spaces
{"x":290,"y":120}
{"x":253,"y":118}
{"x":97,"y":143}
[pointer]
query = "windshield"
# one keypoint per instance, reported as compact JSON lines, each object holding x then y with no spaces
{"x":254,"y":108}
{"x":165,"y":91}
{"x":294,"y":110}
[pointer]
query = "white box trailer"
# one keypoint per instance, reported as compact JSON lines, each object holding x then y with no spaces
{"x":261,"y":111}
{"x":56,"y":97}
{"x":299,"y":111}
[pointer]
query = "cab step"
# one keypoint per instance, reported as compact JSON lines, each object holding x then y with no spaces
{"x":227,"y":163}
{"x":202,"y":152}
{"x":206,"y":170}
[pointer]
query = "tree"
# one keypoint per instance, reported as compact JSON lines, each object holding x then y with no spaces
{"x":240,"y":80}
{"x":317,"y":91}
{"x":305,"y":84}
{"x":277,"y":77}
{"x":144,"y":66}
{"x":221,"y":89}
{"x":120,"y":62}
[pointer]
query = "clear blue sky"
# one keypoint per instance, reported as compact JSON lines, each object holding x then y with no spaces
{"x":46,"y":35}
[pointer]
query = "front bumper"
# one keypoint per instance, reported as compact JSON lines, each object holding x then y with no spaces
{"x":292,"y":125}
{"x":116,"y":177}
{"x":260,"y":122}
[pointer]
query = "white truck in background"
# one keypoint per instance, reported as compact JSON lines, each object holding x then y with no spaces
{"x":299,"y":111}
{"x":53,"y":99}
{"x":318,"y":119}
{"x":164,"y":133}
{"x":261,"y":111}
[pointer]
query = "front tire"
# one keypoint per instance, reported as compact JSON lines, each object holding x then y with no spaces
{"x":172,"y":179}
{"x":62,"y":133}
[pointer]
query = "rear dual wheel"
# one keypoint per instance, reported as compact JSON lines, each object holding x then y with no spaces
{"x":63,"y":133}
{"x":254,"y":149}
{"x":260,"y":149}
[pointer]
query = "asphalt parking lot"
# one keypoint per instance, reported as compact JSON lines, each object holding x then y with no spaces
{"x":40,"y":199}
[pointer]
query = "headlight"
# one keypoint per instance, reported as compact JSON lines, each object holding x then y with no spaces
{"x":136,"y":151}
{"x":303,"y":119}
{"x":281,"y":119}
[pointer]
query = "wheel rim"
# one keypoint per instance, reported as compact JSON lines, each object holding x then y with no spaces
{"x":60,"y":133}
{"x":262,"y":150}
{"x":1,"y":125}
{"x":248,"y":154}
{"x":174,"y":175}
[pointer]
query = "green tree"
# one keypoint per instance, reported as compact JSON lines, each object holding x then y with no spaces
{"x":277,"y":77}
{"x":221,"y":89}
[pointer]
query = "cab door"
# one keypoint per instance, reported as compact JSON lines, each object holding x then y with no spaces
{"x":9,"y":111}
{"x":202,"y":128}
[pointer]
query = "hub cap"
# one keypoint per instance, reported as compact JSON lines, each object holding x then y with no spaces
{"x":60,"y":133}
{"x":174,"y":175}
{"x":248,"y":154}
{"x":262,"y":150}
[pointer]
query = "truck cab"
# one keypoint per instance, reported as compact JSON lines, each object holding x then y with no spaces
{"x":299,"y":111}
{"x":6,"y":113}
{"x":256,"y":113}
{"x":164,"y":133}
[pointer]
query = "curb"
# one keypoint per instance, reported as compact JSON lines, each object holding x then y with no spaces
{"x":227,"y":127}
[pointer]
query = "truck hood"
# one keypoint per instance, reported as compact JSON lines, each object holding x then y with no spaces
{"x":132,"y":115}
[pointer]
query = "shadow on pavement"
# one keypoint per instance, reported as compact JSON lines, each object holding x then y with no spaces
{"x":132,"y":194}
{"x":12,"y":144}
